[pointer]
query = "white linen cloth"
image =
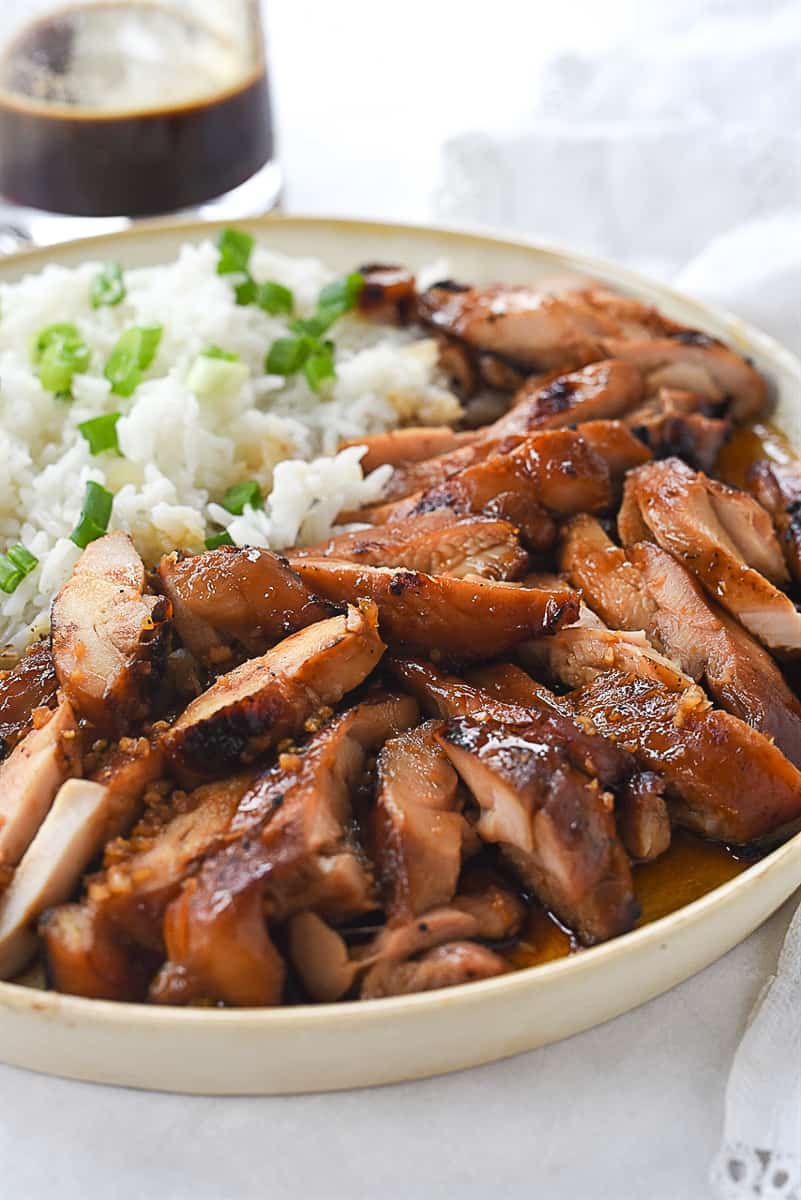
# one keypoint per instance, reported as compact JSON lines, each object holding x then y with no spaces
{"x":638,"y":164}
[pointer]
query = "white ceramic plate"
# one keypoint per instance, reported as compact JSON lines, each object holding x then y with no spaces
{"x":313,"y":1048}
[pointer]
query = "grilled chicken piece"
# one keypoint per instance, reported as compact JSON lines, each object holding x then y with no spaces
{"x":418,"y":828}
{"x":681,"y":423}
{"x":293,"y":851}
{"x":247,"y":599}
{"x":30,"y":684}
{"x":601,"y":391}
{"x":555,"y":823}
{"x":555,"y":470}
{"x":445,"y":966}
{"x":434,"y":543}
{"x":268,"y":698}
{"x":646,"y":588}
{"x":576,"y":655}
{"x":777,"y":486}
{"x":388,"y":294}
{"x":108,"y":635}
{"x":695,"y":362}
{"x":134,"y":891}
{"x":464,"y":618}
{"x":723,"y":536}
{"x":512,"y":685}
{"x":527,"y":327}
{"x":32,"y":774}
{"x":446,"y":696}
{"x":390,"y":962}
{"x":84,"y":815}
{"x":109,"y":945}
{"x":84,"y":956}
{"x":400,"y":447}
{"x":723,"y":778}
{"x":65,"y":843}
{"x":612,"y":443}
{"x":642,"y":816}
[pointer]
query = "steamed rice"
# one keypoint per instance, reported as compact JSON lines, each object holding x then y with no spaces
{"x":181,"y":452}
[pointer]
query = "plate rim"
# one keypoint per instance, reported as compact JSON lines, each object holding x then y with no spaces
{"x":16,"y":997}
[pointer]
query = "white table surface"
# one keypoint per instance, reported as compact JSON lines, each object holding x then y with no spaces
{"x":631,"y":1110}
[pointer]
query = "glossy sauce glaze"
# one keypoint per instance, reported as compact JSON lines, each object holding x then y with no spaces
{"x":687,"y":871}
{"x":691,"y":867}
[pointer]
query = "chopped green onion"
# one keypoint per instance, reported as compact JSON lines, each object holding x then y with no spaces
{"x":287,"y":355}
{"x":342,"y":293}
{"x":313,"y":327}
{"x":217,"y":376}
{"x":133,"y":353}
{"x":108,"y":287}
{"x":218,"y":352}
{"x":95,"y":514}
{"x":235,"y":249}
{"x":241,"y":494}
{"x":59,"y":353}
{"x":46,"y":337}
{"x":274,"y":298}
{"x":101,"y":433}
{"x":319,"y":365}
{"x":15,"y":564}
{"x":218,"y":539}
{"x":246,"y":291}
{"x":307,"y":351}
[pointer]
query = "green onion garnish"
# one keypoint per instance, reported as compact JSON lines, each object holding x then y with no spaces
{"x":15,"y":564}
{"x":235,"y":249}
{"x":101,"y":433}
{"x":217,"y":352}
{"x":218,"y":539}
{"x":133,"y":353}
{"x":319,"y":365}
{"x":274,"y":298}
{"x":59,"y":353}
{"x":95,"y":514}
{"x":108,"y":287}
{"x":308,"y":352}
{"x":287,"y":355}
{"x":241,"y":494}
{"x":51,"y":333}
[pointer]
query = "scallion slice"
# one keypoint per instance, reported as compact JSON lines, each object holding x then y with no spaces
{"x":274,"y":298}
{"x":241,"y":494}
{"x":235,"y":249}
{"x":218,"y":352}
{"x":101,"y":433}
{"x":287,"y":355}
{"x":218,"y":539}
{"x":133,"y":353}
{"x":108,"y":286}
{"x":59,"y":352}
{"x":95,"y":514}
{"x":15,"y":564}
{"x":319,"y":365}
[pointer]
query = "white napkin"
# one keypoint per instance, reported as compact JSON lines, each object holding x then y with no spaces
{"x":678,"y":153}
{"x":760,"y":1155}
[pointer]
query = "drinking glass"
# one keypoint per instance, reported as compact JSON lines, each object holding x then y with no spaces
{"x":112,"y":110}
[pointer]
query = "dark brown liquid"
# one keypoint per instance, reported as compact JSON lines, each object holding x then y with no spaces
{"x":68,"y":147}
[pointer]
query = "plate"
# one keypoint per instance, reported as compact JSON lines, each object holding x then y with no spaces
{"x":326,"y":1047}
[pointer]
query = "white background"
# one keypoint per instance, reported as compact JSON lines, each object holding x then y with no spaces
{"x":365,"y":95}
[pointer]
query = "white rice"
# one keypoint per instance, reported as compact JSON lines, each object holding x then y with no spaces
{"x":180,"y":453}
